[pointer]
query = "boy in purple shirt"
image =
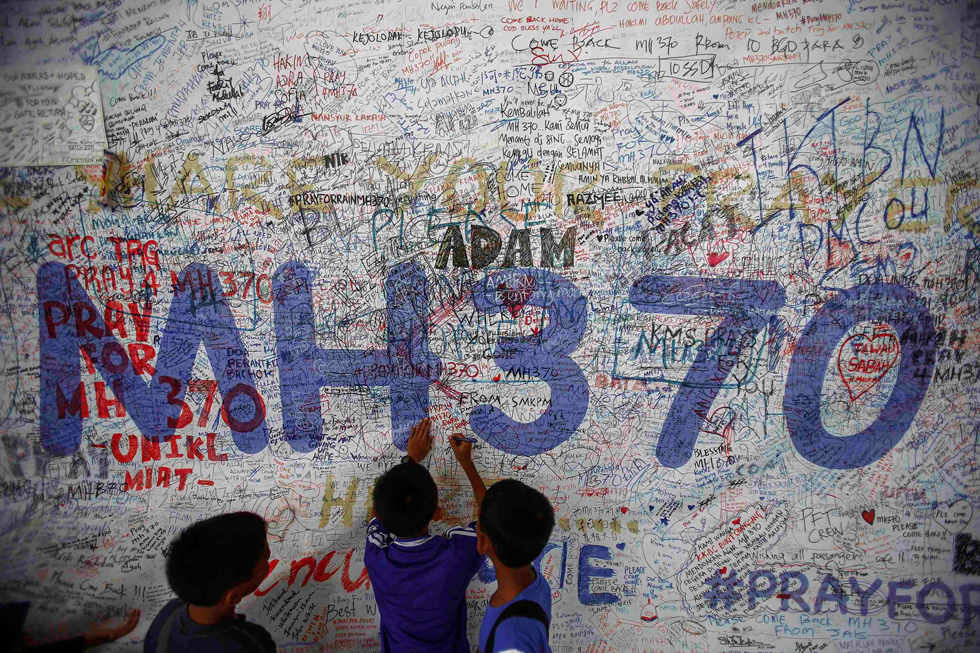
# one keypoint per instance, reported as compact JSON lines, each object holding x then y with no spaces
{"x":419,"y":579}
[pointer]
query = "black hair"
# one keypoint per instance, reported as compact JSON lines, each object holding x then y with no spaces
{"x":212,"y":556}
{"x":518,"y":520}
{"x":405,"y":499}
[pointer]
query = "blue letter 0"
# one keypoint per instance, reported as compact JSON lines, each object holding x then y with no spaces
{"x":547,"y":352}
{"x":820,"y":339}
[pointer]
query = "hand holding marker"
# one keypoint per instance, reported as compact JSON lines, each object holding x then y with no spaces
{"x":457,"y":415}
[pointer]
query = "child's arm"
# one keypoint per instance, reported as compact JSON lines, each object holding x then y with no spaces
{"x":464,"y":454}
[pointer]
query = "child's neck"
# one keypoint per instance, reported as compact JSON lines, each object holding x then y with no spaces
{"x":510,"y":583}
{"x":209,"y":615}
{"x":423,"y":533}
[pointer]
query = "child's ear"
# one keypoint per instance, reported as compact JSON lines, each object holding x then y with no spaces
{"x":235,"y":595}
{"x":438,"y":514}
{"x":483,"y":545}
{"x":232,"y":597}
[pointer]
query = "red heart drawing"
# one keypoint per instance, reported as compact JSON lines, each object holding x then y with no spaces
{"x":516,"y":298}
{"x":714,"y":258}
{"x":868,"y":515}
{"x":723,"y":570}
{"x":624,"y":509}
{"x":868,"y":361}
{"x":496,"y":378}
{"x":737,"y":521}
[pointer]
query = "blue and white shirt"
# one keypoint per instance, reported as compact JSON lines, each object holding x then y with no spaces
{"x":519,"y":634}
{"x":420,"y":586}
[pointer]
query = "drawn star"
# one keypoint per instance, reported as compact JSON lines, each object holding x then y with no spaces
{"x":663,"y":520}
{"x":244,"y":21}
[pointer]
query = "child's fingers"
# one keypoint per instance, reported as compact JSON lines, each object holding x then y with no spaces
{"x":460,"y":447}
{"x":130,"y":625}
{"x":420,"y":429}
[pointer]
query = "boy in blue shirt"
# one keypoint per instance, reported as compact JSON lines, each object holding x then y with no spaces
{"x":420,"y":580}
{"x":514,"y":526}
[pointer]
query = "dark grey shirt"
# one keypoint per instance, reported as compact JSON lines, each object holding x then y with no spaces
{"x":188,"y":636}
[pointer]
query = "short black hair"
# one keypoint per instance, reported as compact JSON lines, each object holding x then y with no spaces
{"x":405,"y":499}
{"x":210,"y":557}
{"x":518,"y":520}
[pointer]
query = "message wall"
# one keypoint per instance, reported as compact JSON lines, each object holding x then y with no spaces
{"x":705,"y":272}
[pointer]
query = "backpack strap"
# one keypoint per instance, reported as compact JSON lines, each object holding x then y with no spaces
{"x":524,"y":608}
{"x":163,"y":639}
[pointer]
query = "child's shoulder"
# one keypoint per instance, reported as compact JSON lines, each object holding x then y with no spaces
{"x":378,"y":535}
{"x":468,"y":531}
{"x":250,"y":636}
{"x":462,"y":541}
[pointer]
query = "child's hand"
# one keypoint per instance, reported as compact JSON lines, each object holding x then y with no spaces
{"x":419,"y":442}
{"x":461,"y":449}
{"x":95,"y":636}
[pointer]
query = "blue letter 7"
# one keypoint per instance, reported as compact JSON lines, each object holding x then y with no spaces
{"x":747,"y":306}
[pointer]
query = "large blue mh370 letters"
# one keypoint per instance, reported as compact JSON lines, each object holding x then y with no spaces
{"x":70,"y":323}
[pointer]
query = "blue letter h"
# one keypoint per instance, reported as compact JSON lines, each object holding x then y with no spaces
{"x":406,"y":367}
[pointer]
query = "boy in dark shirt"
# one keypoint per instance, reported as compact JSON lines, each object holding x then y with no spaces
{"x":515,"y":524}
{"x":211,"y":566}
{"x":420,"y":580}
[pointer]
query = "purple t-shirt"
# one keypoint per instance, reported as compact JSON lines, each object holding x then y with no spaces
{"x":420,"y":586}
